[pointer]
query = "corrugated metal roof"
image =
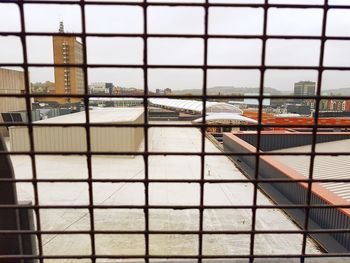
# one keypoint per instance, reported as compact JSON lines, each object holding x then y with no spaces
{"x":196,"y":106}
{"x":325,"y":167}
{"x":224,"y":116}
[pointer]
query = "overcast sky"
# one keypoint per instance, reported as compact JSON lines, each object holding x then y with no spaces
{"x":228,"y":21}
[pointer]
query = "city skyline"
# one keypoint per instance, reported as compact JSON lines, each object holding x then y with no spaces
{"x":179,"y":20}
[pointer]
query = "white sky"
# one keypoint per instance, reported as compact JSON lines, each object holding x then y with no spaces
{"x":231,"y":21}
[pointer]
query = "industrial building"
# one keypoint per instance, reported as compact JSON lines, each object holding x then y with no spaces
{"x":216,"y":112}
{"x":304,"y":88}
{"x":11,"y":82}
{"x":252,"y":102}
{"x":299,"y":109}
{"x":325,"y":167}
{"x":68,"y":80}
{"x":298,"y":121}
{"x":160,"y":194}
{"x":101,"y":88}
{"x":73,"y":139}
{"x":116,"y":102}
{"x":194,"y":106}
{"x":289,"y":169}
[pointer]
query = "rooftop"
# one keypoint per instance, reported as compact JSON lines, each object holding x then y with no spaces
{"x":195,"y":105}
{"x":325,"y":167}
{"x":99,"y":115}
{"x":163,"y":194}
{"x":225,"y":116}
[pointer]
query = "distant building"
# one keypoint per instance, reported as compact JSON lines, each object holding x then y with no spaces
{"x":347,"y":105}
{"x":109,"y":88}
{"x":101,"y":88}
{"x":333,"y":114}
{"x":46,"y":87}
{"x":335,"y":105}
{"x":115,"y":102}
{"x":68,"y":80}
{"x":251,"y":102}
{"x":166,"y":91}
{"x":128,"y":91}
{"x":299,"y":109}
{"x":11,"y":81}
{"x":304,"y":88}
{"x":255,"y":102}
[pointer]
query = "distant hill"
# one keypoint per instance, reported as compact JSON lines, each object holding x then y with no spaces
{"x":341,"y":91}
{"x":224,"y":90}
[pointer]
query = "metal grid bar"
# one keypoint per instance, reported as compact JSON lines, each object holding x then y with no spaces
{"x":258,"y":141}
{"x":314,"y":130}
{"x":88,"y":135}
{"x":30,"y":130}
{"x":146,"y":127}
{"x":146,"y":153}
{"x":202,"y":171}
{"x":165,"y":3}
{"x":189,"y":36}
{"x":182,"y":125}
{"x":319,"y":258}
{"x":179,"y":207}
{"x":188,"y":232}
{"x":158,"y":66}
{"x":16,"y":95}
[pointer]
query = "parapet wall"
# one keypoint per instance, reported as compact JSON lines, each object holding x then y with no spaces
{"x":271,"y":141}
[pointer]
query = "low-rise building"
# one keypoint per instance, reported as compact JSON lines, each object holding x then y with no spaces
{"x":11,"y":82}
{"x":73,"y":139}
{"x":166,"y":91}
{"x":100,"y":88}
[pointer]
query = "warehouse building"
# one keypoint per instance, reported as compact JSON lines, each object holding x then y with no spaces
{"x":73,"y":139}
{"x":116,"y":102}
{"x":291,"y":168}
{"x":11,"y":82}
{"x":325,"y":166}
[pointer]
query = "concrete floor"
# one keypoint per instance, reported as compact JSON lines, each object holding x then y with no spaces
{"x":164,"y":167}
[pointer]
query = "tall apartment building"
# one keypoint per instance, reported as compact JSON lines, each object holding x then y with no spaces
{"x":68,"y":80}
{"x":304,"y":88}
{"x":11,"y":82}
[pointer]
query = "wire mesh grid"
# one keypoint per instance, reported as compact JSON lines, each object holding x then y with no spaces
{"x":147,"y":232}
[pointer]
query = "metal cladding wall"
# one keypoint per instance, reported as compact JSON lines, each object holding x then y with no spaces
{"x":274,"y":141}
{"x":117,"y":139}
{"x":73,"y":139}
{"x":295,"y":193}
{"x":11,"y":81}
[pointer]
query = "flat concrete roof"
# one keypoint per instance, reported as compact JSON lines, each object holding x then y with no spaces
{"x":99,"y":115}
{"x":325,"y":167}
{"x":173,"y":139}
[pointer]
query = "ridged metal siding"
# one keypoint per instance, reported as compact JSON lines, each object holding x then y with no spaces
{"x":74,"y":138}
{"x":295,"y":193}
{"x":11,"y":81}
{"x":271,"y":142}
{"x":325,"y":167}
